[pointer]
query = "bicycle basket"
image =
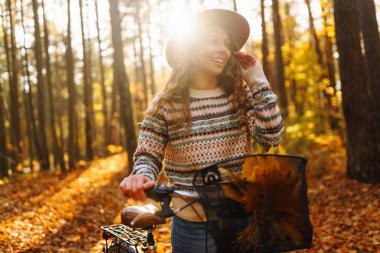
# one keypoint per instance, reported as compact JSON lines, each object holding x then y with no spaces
{"x":264,"y":209}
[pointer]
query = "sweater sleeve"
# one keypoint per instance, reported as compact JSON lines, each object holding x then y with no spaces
{"x":267,"y":124}
{"x":151,"y":145}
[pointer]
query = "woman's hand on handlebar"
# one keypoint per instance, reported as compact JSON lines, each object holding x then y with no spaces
{"x":134,"y":186}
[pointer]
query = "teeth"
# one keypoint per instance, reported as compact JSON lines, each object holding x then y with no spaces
{"x":218,"y":59}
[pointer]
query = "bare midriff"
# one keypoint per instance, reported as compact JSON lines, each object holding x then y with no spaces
{"x":193,"y":213}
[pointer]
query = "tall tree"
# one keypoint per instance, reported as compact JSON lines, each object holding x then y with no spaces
{"x":57,"y":150}
{"x":264,"y":42}
{"x":87,"y":90}
{"x":90,"y":75}
{"x":314,"y":37}
{"x":363,"y":162}
{"x":34,"y":141}
{"x":102,"y":79}
{"x":137,"y":100}
{"x":295,"y":89}
{"x":279,"y":78}
{"x":142,"y":61}
{"x":3,"y":138}
{"x":122,"y":82}
{"x":14,"y":85}
{"x":369,"y":27}
{"x":328,"y":44}
{"x":28,"y":116}
{"x":151,"y":58}
{"x":114,"y":117}
{"x":60,"y":104}
{"x":328,"y":97}
{"x":72,"y":138}
{"x":328,"y":37}
{"x":45,"y":164}
{"x":4,"y":151}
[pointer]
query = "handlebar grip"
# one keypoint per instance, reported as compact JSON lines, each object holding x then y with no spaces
{"x":159,"y":192}
{"x":151,"y":193}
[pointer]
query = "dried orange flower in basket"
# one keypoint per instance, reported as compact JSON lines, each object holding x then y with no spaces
{"x":269,"y":187}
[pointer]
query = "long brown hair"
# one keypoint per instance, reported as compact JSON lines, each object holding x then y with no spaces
{"x":177,"y":86}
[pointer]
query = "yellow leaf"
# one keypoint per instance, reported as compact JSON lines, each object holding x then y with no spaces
{"x":232,"y":176}
{"x":248,"y":173}
{"x":281,"y":150}
{"x":232,"y":193}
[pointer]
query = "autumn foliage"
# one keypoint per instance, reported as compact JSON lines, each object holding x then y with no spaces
{"x":64,"y":212}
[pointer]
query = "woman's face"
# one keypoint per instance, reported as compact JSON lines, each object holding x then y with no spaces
{"x":213,"y":51}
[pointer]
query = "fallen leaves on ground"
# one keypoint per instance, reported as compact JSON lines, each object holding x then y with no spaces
{"x":63,"y":213}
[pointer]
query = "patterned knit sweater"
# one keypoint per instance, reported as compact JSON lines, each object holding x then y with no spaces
{"x":217,"y":133}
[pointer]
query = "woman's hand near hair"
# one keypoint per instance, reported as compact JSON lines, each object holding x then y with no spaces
{"x":253,"y":72}
{"x":134,"y":186}
{"x":246,"y":60}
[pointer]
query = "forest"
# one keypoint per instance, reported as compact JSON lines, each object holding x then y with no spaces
{"x":77,"y":76}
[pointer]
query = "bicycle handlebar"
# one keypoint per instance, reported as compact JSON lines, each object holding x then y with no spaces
{"x":159,"y":192}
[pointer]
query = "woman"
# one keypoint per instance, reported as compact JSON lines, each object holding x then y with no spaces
{"x":206,"y":114}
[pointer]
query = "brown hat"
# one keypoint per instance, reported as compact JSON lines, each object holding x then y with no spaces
{"x":236,"y":25}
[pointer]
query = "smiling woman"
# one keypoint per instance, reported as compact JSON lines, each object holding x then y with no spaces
{"x":212,"y":108}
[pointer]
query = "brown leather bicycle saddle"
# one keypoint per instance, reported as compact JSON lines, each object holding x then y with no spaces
{"x":141,"y":216}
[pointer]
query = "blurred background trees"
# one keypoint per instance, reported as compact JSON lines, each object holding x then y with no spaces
{"x":76,"y":76}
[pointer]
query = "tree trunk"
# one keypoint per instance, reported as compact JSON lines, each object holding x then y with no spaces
{"x":3,"y":147}
{"x":315,"y":40}
{"x":29,"y":127}
{"x":14,"y":85}
{"x":328,"y":48}
{"x":102,"y":79}
{"x":114,"y":115}
{"x":142,"y":61}
{"x":58,"y":154}
{"x":369,"y":27}
{"x":3,"y":138}
{"x":28,"y":95}
{"x":279,"y":62}
{"x":71,"y":147}
{"x":362,"y":153}
{"x":151,"y":60}
{"x":90,"y":80}
{"x":290,"y":37}
{"x":120,"y":77}
{"x":86,"y":91}
{"x":264,"y":43}
{"x":41,"y":89}
{"x":327,"y":96}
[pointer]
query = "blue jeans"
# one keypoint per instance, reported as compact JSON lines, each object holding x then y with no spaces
{"x":190,"y":237}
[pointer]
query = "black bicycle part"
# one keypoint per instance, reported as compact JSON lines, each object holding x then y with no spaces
{"x":162,"y":194}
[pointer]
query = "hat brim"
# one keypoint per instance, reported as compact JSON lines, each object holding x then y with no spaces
{"x":235,"y":24}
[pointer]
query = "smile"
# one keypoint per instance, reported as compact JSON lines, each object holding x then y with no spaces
{"x":218,"y":60}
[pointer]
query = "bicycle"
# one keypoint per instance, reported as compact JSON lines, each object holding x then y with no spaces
{"x":135,"y":234}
